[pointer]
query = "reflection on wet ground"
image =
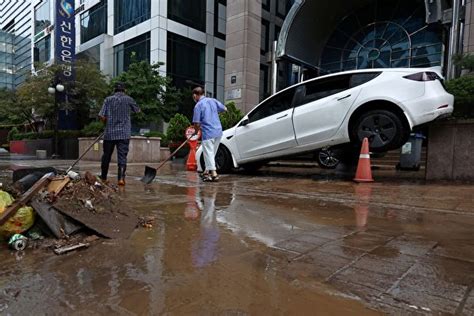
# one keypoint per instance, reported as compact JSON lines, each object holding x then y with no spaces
{"x":267,"y":244}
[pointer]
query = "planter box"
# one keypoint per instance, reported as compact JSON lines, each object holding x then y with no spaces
{"x":451,"y":151}
{"x":142,"y":149}
{"x":29,"y":147}
{"x":182,"y":153}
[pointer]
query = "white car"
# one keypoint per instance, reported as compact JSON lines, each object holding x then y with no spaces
{"x":381,"y":104}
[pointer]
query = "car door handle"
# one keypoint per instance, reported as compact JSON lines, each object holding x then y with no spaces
{"x":343,"y":98}
{"x":283,"y":116}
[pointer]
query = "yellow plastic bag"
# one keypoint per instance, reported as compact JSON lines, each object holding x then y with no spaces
{"x":23,"y":219}
{"x":5,"y":200}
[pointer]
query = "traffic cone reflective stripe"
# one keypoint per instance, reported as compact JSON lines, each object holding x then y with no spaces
{"x":364,"y":170}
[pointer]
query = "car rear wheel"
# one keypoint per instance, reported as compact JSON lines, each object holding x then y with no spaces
{"x":383,"y":128}
{"x":223,"y":160}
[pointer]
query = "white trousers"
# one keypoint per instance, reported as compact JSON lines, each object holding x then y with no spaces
{"x":209,"y":148}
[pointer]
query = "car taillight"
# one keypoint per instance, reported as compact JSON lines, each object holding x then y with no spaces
{"x":423,"y":76}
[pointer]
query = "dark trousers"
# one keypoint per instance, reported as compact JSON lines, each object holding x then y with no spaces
{"x":122,"y":152}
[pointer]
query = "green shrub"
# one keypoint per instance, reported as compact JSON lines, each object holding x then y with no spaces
{"x":93,"y":129}
{"x":463,"y":90}
{"x":230,"y":117}
{"x":11,"y":134}
{"x":177,"y":127}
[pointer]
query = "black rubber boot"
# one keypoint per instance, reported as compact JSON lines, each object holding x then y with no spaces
{"x":104,"y":172}
{"x":121,"y":175}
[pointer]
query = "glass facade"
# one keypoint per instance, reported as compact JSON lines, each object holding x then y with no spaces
{"x":395,"y":35}
{"x":185,"y":60}
{"x":7,"y":68}
{"x":43,"y":16}
{"x":94,"y":22}
{"x":188,"y":12}
{"x":43,"y":50}
{"x":136,"y":49}
{"x":92,"y":56}
{"x":129,"y":13}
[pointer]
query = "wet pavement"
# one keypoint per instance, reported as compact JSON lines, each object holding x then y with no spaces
{"x":280,"y":242}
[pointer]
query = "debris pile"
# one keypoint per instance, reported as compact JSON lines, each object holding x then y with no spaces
{"x":74,"y":212}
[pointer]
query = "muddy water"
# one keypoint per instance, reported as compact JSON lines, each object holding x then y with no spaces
{"x":193,"y":261}
{"x":266,"y":245}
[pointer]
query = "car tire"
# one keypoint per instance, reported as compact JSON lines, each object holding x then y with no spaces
{"x":327,"y":158}
{"x":384,"y":129}
{"x":224,"y":162}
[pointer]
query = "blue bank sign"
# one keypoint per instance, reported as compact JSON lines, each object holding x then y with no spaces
{"x":65,"y":38}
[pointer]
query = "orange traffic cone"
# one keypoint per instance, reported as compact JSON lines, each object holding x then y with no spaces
{"x":191,"y":164}
{"x":364,"y":171}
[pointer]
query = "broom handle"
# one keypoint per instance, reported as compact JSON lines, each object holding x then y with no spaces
{"x":174,"y":152}
{"x":85,"y":152}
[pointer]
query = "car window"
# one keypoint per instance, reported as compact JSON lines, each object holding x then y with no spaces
{"x":276,"y":104}
{"x":361,"y":78}
{"x":318,"y":89}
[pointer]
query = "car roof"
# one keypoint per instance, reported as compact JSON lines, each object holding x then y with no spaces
{"x":349,"y":72}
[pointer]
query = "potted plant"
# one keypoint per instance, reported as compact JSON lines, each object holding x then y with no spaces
{"x":175,"y":134}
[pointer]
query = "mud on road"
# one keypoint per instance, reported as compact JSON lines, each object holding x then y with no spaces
{"x":269,"y":244}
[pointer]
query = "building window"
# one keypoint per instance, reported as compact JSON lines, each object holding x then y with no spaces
{"x":396,"y":40}
{"x":266,"y":5}
{"x":188,"y":12}
{"x":91,"y":56}
{"x":43,"y":50}
{"x":219,"y":74}
{"x":136,"y":49}
{"x":281,"y":7}
{"x":94,"y":22}
{"x":264,"y":83}
{"x":265,"y":37}
{"x":185,"y":60}
{"x":220,"y":18}
{"x":130,"y":13}
{"x":6,"y":60}
{"x":42,"y":16}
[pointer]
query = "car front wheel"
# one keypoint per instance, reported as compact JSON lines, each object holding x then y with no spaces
{"x":384,"y":130}
{"x":223,"y":160}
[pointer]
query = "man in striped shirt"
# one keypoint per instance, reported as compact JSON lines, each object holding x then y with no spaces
{"x":116,"y":113}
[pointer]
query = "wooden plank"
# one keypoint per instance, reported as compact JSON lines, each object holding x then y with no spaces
{"x":25,"y":198}
{"x":58,"y":184}
{"x":63,"y":250}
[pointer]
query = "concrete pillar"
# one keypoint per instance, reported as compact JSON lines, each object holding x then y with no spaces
{"x":242,"y":66}
{"x":469,"y":28}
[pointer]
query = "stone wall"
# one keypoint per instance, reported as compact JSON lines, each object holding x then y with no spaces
{"x":451,"y":151}
{"x":142,"y":149}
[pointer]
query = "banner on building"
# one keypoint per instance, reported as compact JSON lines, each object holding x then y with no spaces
{"x":65,"y":38}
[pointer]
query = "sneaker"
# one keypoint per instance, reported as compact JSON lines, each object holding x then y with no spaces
{"x":121,"y":183}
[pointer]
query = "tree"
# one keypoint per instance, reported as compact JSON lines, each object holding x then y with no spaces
{"x":7,"y":100}
{"x":88,"y":91}
{"x":153,"y":92}
{"x":32,"y":102}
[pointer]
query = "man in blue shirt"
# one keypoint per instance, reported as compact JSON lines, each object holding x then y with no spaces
{"x":206,"y":118}
{"x":116,"y":113}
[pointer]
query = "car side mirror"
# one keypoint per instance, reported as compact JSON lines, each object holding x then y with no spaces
{"x":245,"y":122}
